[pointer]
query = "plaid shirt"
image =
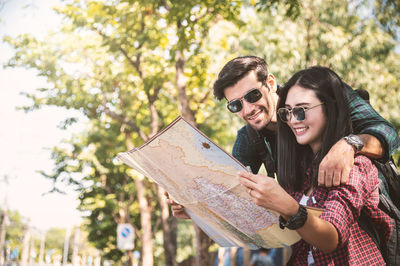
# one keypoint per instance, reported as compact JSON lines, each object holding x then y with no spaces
{"x":342,"y":206}
{"x":365,"y":121}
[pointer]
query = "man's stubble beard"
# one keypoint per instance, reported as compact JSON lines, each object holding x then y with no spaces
{"x":262,"y":124}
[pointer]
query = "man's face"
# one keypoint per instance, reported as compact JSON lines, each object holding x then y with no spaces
{"x":260,"y":113}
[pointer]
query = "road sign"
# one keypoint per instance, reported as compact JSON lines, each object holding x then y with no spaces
{"x":125,"y":237}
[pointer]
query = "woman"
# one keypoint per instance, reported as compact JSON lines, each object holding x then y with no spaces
{"x":313,"y":116}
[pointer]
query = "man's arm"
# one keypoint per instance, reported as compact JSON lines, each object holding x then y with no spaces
{"x":372,"y":147}
{"x":366,"y":121}
{"x":379,"y":137}
{"x":177,"y":210}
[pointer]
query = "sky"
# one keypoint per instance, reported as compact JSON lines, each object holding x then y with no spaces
{"x":26,"y":139}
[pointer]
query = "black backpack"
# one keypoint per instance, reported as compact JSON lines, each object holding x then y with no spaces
{"x":390,"y":250}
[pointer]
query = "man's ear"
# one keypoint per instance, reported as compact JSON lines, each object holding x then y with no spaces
{"x":272,"y":85}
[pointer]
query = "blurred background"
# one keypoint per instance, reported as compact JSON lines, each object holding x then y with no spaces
{"x":81,"y":81}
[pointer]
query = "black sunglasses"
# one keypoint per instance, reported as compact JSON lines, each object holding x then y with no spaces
{"x":251,"y":97}
{"x":299,"y":113}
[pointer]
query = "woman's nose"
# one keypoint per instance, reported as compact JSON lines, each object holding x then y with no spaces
{"x":293,"y":119}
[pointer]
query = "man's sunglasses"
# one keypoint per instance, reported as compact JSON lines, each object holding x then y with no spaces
{"x":299,"y":113}
{"x":251,"y":97}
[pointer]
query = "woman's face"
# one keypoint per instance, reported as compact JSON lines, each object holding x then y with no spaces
{"x":310,"y":130}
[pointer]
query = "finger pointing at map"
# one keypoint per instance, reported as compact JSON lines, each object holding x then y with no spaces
{"x":266,"y":192}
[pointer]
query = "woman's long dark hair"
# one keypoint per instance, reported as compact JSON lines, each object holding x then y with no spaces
{"x":294,"y":158}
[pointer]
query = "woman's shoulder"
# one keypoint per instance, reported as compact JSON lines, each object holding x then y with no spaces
{"x":363,"y":161}
{"x":363,"y":167}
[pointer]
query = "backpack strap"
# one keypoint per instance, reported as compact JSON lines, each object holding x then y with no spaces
{"x":258,"y":144}
{"x":392,"y":179}
{"x":390,"y":249}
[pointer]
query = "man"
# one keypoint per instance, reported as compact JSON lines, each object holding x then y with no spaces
{"x":251,"y":93}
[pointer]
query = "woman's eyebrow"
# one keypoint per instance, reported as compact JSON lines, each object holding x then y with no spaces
{"x":301,"y":104}
{"x":297,"y":104}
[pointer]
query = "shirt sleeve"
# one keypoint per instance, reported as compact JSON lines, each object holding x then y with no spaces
{"x":344,"y":203}
{"x":243,"y":153}
{"x":366,"y":120}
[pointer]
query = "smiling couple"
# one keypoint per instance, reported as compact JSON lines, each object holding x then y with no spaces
{"x":319,"y":133}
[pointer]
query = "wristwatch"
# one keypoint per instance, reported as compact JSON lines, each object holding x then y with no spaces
{"x":354,"y":141}
{"x":296,"y":221}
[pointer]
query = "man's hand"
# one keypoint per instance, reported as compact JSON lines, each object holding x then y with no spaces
{"x":177,"y":210}
{"x":336,"y":165}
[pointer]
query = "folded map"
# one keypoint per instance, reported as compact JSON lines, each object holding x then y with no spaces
{"x":201,"y":176}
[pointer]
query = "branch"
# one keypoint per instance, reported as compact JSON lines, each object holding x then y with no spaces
{"x":206,"y":96}
{"x":126,"y":121}
{"x":157,"y":224}
{"x":136,"y":63}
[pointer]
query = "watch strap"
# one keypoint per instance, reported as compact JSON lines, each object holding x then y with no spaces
{"x":296,"y":221}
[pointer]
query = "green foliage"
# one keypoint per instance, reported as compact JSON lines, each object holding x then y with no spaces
{"x":291,"y":7}
{"x":15,"y":229}
{"x":185,"y":240}
{"x":332,"y":34}
{"x":54,"y":240}
{"x":18,"y":227}
{"x":116,"y":63}
{"x":388,"y":14}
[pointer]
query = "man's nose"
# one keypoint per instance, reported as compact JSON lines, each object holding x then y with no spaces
{"x":247,"y":107}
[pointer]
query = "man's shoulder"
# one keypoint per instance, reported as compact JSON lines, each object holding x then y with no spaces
{"x":242,"y":137}
{"x":242,"y":130}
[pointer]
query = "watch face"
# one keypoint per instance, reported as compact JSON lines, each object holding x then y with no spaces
{"x":356,"y":141}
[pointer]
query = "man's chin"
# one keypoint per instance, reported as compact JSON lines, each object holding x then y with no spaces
{"x":257,"y":125}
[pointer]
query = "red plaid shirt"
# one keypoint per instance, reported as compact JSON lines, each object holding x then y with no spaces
{"x":342,"y":206}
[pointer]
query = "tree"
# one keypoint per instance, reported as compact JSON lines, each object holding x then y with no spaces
{"x":335,"y":34}
{"x":127,"y":66}
{"x":387,"y":12}
{"x":131,"y":67}
{"x":15,"y":230}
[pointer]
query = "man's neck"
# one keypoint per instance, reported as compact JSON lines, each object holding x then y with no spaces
{"x":271,"y":127}
{"x":268,"y":131}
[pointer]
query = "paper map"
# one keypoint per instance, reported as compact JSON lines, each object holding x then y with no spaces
{"x":201,"y":176}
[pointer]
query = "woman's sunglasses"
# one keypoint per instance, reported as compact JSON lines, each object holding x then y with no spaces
{"x":299,"y":113}
{"x":251,"y":97}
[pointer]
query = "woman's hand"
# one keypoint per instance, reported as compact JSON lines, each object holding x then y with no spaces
{"x":266,"y":192}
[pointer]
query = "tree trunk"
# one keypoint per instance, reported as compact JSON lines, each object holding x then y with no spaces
{"x":145,"y":220}
{"x":129,"y":254}
{"x":25,"y":246}
{"x":146,"y":257}
{"x":169,"y":226}
{"x":187,"y":113}
{"x":202,"y":240}
{"x":4,"y":219}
